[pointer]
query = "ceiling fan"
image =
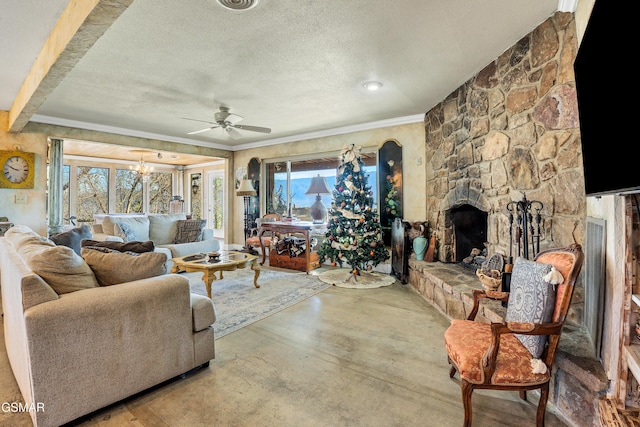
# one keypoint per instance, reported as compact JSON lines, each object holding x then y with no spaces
{"x":229,"y":123}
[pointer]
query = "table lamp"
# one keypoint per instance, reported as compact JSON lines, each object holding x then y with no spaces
{"x":318,"y":210}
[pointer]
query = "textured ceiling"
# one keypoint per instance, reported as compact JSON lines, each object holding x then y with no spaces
{"x":294,"y":66}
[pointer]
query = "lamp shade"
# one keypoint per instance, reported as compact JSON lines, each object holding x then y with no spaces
{"x":318,"y":186}
{"x":246,"y":189}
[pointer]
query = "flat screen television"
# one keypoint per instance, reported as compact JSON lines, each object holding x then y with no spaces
{"x":606,"y":93}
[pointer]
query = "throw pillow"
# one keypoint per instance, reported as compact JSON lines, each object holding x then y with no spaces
{"x":189,"y":230}
{"x":163,"y":227}
{"x":138,"y":247}
{"x":112,"y":267}
{"x":21,"y":235}
{"x":138,"y":223}
{"x":531,"y":300}
{"x":59,"y":266}
{"x":73,"y":237}
{"x":125,"y":232}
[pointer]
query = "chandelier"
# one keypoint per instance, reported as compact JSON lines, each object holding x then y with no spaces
{"x":142,"y":169}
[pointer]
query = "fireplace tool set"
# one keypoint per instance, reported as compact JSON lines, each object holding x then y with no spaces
{"x":524,"y":232}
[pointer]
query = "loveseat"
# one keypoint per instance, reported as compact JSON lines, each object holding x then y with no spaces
{"x":171,"y":233}
{"x":77,"y":341}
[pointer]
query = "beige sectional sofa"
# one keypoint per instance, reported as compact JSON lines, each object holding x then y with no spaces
{"x":75,"y":346}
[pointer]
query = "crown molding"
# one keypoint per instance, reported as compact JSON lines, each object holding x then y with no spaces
{"x":293,"y":138}
{"x":416,"y":118}
{"x":55,"y":121}
{"x":567,"y":5}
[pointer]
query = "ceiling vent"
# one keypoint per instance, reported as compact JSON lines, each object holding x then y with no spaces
{"x":238,"y":4}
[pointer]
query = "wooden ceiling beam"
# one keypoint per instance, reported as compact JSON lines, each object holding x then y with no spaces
{"x":81,"y":24}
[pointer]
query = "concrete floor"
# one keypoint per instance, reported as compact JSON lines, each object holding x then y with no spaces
{"x":345,"y":357}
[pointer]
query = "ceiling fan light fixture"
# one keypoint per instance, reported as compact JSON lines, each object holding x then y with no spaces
{"x":372,"y":85}
{"x":238,"y":4}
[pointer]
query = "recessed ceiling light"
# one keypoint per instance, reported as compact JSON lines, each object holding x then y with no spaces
{"x":372,"y":85}
{"x":238,"y":4}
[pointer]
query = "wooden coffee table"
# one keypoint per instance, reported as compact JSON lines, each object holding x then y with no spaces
{"x":228,"y":261}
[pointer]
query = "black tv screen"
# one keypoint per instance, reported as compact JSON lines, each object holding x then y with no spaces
{"x":606,"y":95}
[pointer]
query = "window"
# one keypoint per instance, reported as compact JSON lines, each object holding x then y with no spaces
{"x":98,"y":189}
{"x":160,"y":192}
{"x":93,"y":193}
{"x":217,"y":202}
{"x":66,"y":201}
{"x":287,"y":182}
{"x":128,"y":192}
{"x":196,"y":195}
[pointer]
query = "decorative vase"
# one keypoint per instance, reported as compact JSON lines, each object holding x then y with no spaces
{"x":420,"y":247}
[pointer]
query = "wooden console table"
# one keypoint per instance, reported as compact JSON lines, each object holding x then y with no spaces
{"x":289,"y":227}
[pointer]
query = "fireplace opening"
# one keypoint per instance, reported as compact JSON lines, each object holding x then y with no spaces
{"x":469,"y":230}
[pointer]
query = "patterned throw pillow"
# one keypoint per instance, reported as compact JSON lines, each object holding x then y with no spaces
{"x":125,"y":232}
{"x":531,"y":300}
{"x":189,"y":230}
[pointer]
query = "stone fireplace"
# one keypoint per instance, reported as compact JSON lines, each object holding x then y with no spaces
{"x":512,"y":131}
{"x":468,"y":230}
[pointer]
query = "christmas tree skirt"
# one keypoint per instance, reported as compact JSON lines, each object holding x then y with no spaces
{"x":343,"y":278}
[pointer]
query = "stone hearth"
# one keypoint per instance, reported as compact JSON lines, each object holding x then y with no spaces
{"x":578,"y":380}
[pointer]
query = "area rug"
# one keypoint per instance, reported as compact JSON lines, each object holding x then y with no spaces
{"x":238,"y":303}
{"x":343,"y":278}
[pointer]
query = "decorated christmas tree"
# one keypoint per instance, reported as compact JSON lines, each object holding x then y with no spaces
{"x":354,"y":234}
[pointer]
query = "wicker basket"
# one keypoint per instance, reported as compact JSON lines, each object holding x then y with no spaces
{"x":488,"y":282}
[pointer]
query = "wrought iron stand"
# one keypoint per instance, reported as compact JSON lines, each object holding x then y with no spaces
{"x":524,"y":224}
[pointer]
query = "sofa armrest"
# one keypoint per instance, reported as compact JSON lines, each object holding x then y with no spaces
{"x":182,"y":249}
{"x":101,"y":237}
{"x":82,"y":340}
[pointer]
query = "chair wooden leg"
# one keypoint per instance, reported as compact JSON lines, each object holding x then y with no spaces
{"x":467,"y":390}
{"x":452,"y":371}
{"x":542,"y":405}
{"x":523,"y":394}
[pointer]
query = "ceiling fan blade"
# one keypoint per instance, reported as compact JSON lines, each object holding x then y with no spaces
{"x":233,"y":118}
{"x":233,"y":133}
{"x":202,"y":130}
{"x":254,"y":128}
{"x":196,"y":120}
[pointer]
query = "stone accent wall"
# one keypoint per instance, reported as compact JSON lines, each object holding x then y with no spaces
{"x":511,"y":129}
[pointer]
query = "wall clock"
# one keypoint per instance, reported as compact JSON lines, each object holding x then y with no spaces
{"x":17,"y":169}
